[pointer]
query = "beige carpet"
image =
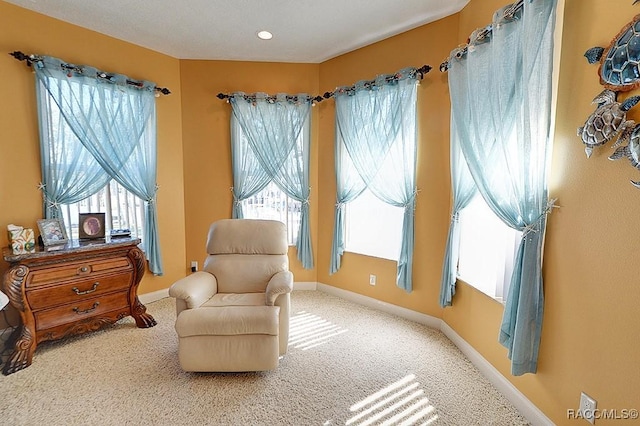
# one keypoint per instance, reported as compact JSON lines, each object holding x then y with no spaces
{"x":347,"y":365}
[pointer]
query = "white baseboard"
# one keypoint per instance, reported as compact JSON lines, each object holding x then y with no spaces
{"x":304,"y":285}
{"x":504,"y":386}
{"x":382,"y":306}
{"x":153,"y":296}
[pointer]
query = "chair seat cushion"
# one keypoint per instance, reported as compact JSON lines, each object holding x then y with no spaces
{"x":236,"y":299}
{"x":228,"y":321}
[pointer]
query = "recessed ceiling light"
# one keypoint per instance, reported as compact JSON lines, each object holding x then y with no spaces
{"x":264,"y":35}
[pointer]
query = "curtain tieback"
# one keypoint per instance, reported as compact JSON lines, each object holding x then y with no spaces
{"x":412,"y":200}
{"x":236,"y":200}
{"x":52,"y":204}
{"x":535,"y":225}
{"x":340,"y":205}
{"x":306,"y":201}
{"x":152,"y":199}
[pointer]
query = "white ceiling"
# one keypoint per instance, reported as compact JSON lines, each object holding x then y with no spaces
{"x":305,"y":31}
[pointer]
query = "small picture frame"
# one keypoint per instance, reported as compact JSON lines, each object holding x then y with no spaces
{"x":90,"y":226}
{"x":53,"y":232}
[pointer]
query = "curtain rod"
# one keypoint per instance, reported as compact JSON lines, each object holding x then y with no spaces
{"x":269,"y":98}
{"x":485,"y":32}
{"x":420,"y":71}
{"x":370,"y":83}
{"x":30,"y":59}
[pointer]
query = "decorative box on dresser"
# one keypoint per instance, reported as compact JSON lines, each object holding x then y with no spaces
{"x":75,"y":289}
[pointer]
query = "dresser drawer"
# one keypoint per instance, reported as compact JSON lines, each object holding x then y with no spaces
{"x":76,"y":291}
{"x":50,"y":275}
{"x":82,"y":310}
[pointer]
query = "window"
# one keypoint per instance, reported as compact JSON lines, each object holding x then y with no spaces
{"x":376,"y":150}
{"x":93,"y":130}
{"x":377,"y":235}
{"x":272,"y":203}
{"x":122,"y":209}
{"x":487,"y":250}
{"x":270,"y":137}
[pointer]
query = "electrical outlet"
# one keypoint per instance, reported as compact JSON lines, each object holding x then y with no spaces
{"x":194,"y":266}
{"x":587,"y":408}
{"x":372,"y":280}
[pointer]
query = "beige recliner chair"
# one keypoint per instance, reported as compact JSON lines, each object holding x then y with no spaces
{"x":234,"y":314}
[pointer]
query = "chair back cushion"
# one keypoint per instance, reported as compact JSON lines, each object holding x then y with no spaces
{"x":245,"y":253}
{"x":247,"y":236}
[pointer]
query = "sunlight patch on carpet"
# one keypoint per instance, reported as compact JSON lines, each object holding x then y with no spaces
{"x":401,"y":403}
{"x":307,"y":331}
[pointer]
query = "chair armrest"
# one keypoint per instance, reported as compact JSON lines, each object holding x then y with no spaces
{"x":195,"y":289}
{"x":280,"y":283}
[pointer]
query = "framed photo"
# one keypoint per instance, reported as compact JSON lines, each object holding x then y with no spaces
{"x":91,"y":225}
{"x":53,"y":232}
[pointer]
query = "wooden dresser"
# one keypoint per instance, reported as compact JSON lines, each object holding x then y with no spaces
{"x":79,"y":288}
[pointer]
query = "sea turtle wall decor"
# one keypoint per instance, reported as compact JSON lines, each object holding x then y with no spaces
{"x":620,"y":62}
{"x":607,"y":121}
{"x":619,"y":71}
{"x":631,"y":150}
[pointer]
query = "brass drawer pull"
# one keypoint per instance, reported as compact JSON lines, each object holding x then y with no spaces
{"x":79,"y":293}
{"x":84,"y":270}
{"x":86,"y":311}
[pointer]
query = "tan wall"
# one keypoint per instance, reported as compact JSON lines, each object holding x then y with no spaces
{"x":207,"y":151}
{"x":589,"y":341}
{"x":430,"y":45}
{"x":591,"y":320}
{"x":20,"y":200}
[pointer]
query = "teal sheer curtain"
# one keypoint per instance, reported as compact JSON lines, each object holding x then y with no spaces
{"x":376,"y":149}
{"x":69,"y":172}
{"x":503,"y":85}
{"x":349,"y":185}
{"x":249,"y":177}
{"x":114,"y":130}
{"x":463,"y":190}
{"x":277,"y":132}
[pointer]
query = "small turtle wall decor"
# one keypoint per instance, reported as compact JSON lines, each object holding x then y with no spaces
{"x":631,"y":150}
{"x":607,"y":121}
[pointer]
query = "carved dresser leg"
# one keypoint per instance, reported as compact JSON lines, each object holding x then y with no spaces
{"x":22,"y":353}
{"x":138,"y":310}
{"x":25,"y":344}
{"x":139,"y":313}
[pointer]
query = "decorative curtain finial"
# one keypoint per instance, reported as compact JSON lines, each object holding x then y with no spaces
{"x":71,"y":69}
